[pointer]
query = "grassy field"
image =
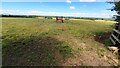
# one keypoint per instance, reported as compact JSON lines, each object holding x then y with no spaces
{"x":36,"y":41}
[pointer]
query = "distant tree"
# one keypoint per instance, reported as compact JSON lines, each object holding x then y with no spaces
{"x":47,"y":17}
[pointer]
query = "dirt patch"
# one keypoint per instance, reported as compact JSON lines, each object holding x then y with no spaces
{"x":88,"y":54}
{"x":91,"y":58}
{"x":43,"y":52}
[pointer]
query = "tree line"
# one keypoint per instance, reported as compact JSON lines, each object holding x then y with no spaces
{"x":23,"y":16}
{"x":51,"y":17}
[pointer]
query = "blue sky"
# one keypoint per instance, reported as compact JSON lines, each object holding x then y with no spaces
{"x":67,"y":8}
{"x":56,"y":0}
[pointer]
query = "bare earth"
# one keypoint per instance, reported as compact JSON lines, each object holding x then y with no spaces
{"x":86,"y":55}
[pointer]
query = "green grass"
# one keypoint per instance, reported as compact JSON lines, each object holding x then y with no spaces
{"x":108,"y":42}
{"x":49,"y":60}
{"x":28,"y":34}
{"x":64,"y":49}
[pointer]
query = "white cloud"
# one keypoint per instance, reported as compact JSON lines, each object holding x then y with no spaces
{"x":112,"y":0}
{"x":87,"y":0}
{"x":72,"y":7}
{"x":34,"y":12}
{"x":105,"y":14}
{"x":68,"y":1}
{"x":1,"y":10}
{"x":9,"y":11}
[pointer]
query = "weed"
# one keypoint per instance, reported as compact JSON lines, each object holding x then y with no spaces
{"x":64,"y":49}
{"x":49,"y":60}
{"x":108,"y":42}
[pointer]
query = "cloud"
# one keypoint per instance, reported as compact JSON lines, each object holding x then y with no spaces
{"x":87,"y":0}
{"x":1,"y":10}
{"x":9,"y":11}
{"x":105,"y":14}
{"x":112,"y":0}
{"x":72,"y":7}
{"x":34,"y":12}
{"x":68,"y":1}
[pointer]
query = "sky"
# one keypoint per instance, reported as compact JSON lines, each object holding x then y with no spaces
{"x":81,"y":8}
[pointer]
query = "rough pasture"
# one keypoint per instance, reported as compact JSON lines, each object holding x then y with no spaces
{"x":33,"y":41}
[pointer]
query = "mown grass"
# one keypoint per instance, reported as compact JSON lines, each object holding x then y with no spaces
{"x":19,"y":34}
